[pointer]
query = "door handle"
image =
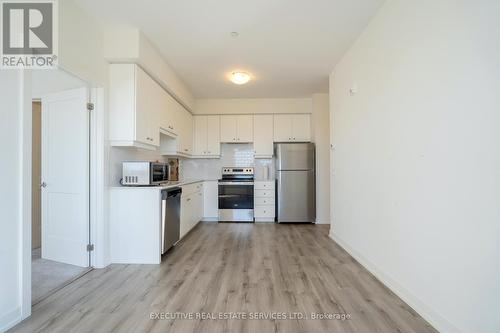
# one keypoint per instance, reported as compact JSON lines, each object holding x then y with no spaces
{"x":43,"y":184}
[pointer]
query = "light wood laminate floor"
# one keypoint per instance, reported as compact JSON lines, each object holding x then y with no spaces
{"x":220,"y":268}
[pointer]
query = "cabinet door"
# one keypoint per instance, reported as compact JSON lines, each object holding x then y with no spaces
{"x":211,"y":199}
{"x":301,"y":128}
{"x":228,"y":129}
{"x":163,"y":110}
{"x":185,"y":215}
{"x":187,"y":133}
{"x":200,"y":135}
{"x":199,"y":207}
{"x":213,"y":135}
{"x":144,"y":116}
{"x":263,"y":135}
{"x":173,"y":114}
{"x":157,"y":113}
{"x":282,"y":128}
{"x":244,"y":125}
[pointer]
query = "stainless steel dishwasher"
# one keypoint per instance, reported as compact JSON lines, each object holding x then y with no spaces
{"x":170,"y":217}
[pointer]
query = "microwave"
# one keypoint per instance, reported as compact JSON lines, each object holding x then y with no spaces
{"x":140,"y":173}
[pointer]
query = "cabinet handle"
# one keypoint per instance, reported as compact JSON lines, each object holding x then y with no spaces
{"x":185,"y":150}
{"x":188,"y":199}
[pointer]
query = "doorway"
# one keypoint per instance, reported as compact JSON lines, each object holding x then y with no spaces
{"x":60,"y":182}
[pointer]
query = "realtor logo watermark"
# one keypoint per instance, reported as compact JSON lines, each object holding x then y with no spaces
{"x":29,"y":34}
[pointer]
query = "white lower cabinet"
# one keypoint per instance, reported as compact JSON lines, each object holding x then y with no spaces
{"x":211,"y":200}
{"x":191,"y":207}
{"x":264,"y":201}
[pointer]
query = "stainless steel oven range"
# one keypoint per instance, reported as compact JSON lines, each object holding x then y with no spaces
{"x":236,"y":195}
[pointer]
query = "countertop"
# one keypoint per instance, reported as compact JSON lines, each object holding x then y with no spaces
{"x":160,"y":187}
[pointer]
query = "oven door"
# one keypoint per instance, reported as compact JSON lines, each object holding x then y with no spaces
{"x":159,"y":173}
{"x":235,"y":201}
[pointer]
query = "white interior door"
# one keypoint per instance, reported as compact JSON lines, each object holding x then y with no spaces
{"x":65,"y":177}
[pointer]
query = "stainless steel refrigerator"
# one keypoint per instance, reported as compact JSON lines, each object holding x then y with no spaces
{"x":296,"y":182}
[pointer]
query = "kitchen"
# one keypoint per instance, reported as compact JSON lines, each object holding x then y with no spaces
{"x":334,"y":160}
{"x":228,"y":167}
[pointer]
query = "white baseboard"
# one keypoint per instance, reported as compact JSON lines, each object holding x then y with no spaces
{"x":322,"y":222}
{"x":10,"y":319}
{"x":210,"y":219}
{"x":434,"y":318}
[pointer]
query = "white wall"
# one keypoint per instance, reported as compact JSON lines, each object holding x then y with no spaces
{"x":81,"y":44}
{"x":417,"y":160}
{"x":51,"y":81}
{"x":253,"y":105}
{"x":320,"y":124}
{"x":80,"y":52}
{"x":13,"y":112}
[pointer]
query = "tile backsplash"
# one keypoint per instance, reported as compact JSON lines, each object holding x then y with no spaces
{"x":232,"y":155}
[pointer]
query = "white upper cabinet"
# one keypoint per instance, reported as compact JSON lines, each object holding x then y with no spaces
{"x":186,"y":133}
{"x":263,"y":135}
{"x":213,"y":135}
{"x":206,"y":136}
{"x":135,"y":107}
{"x":200,"y":135}
{"x":301,"y":127}
{"x":245,"y":128}
{"x":236,"y":128}
{"x":282,"y":128}
{"x":228,"y":129}
{"x":292,"y":128}
{"x":170,"y":120}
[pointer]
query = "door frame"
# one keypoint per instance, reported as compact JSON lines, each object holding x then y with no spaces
{"x":97,"y":156}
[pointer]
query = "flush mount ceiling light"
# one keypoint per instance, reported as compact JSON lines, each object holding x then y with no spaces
{"x":239,"y":77}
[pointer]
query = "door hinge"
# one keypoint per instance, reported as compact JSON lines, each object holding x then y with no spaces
{"x":90,"y":247}
{"x":90,"y":106}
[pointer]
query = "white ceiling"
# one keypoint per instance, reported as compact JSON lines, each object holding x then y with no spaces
{"x":290,"y":46}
